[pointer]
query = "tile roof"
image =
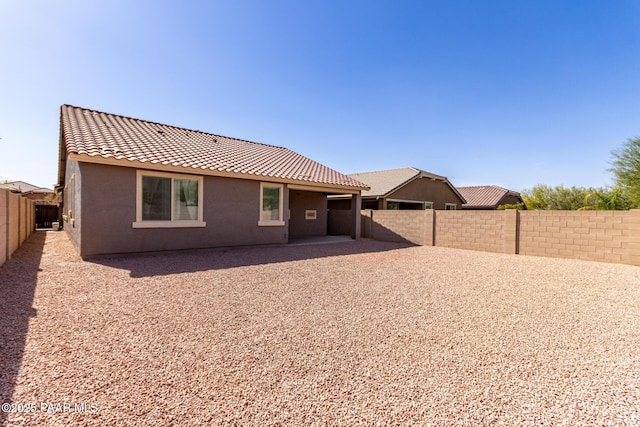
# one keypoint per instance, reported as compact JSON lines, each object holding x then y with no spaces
{"x":97,"y":136}
{"x":385,"y":182}
{"x":24,"y":187}
{"x":484,"y":195}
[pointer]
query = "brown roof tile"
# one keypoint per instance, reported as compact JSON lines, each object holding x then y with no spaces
{"x":127,"y":140}
{"x":484,"y":195}
{"x":384,"y":182}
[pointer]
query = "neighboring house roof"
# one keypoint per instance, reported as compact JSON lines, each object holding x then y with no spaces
{"x":97,"y":137}
{"x":24,"y":187}
{"x":486,"y":196}
{"x":383,"y":183}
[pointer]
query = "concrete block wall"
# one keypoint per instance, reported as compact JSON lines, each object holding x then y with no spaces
{"x":633,"y":243}
{"x":4,"y":225}
{"x":14,"y":223}
{"x":588,"y":235}
{"x":399,"y":226}
{"x":17,"y":222}
{"x":607,"y":236}
{"x":490,"y":231}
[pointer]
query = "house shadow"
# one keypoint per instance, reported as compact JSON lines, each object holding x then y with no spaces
{"x":18,"y":280}
{"x":189,"y":261}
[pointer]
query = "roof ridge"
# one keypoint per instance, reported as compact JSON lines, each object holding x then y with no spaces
{"x":422,"y":171}
{"x":172,"y":126}
{"x":383,"y":170}
{"x":501,"y":188}
{"x":485,"y":186}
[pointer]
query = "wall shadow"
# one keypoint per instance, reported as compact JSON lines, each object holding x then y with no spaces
{"x":18,"y":280}
{"x":188,"y":261}
{"x":375,"y":230}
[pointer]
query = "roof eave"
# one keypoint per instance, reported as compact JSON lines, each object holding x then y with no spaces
{"x":424,"y":174}
{"x":466,"y":206}
{"x":112,"y":161}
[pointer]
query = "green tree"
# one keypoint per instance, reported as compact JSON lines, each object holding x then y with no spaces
{"x":555,"y":198}
{"x":536,"y":197}
{"x":519,"y":206}
{"x":609,"y":199}
{"x":576,"y":198}
{"x":626,"y":169}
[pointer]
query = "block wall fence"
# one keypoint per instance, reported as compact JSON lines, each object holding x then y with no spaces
{"x":608,"y":236}
{"x":17,"y":222}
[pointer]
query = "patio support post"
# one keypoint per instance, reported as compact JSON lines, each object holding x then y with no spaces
{"x":356,"y":207}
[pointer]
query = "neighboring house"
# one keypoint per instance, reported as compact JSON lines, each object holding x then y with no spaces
{"x":31,"y":192}
{"x":131,"y":185}
{"x":488,"y":197}
{"x":45,"y":201}
{"x":405,"y":189}
{"x":18,"y":186}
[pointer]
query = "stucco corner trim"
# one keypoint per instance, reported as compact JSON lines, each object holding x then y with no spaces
{"x":168,"y":224}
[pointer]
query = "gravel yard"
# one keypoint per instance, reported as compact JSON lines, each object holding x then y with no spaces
{"x":353,"y":333}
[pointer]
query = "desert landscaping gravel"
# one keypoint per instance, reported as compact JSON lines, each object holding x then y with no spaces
{"x":353,"y":333}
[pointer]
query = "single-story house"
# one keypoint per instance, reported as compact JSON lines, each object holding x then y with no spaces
{"x":130,"y":185}
{"x":403,"y":189}
{"x":488,"y":197}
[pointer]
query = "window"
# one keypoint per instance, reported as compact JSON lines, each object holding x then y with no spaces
{"x":271,"y":196}
{"x":168,"y":200}
{"x":428,"y":205}
{"x":450,"y":206}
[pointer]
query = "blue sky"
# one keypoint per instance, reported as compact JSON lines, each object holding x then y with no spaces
{"x":512,"y":93}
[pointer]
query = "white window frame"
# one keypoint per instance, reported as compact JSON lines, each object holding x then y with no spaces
{"x":447,"y":206}
{"x":140,"y":223}
{"x":428,"y":205}
{"x":273,"y":222}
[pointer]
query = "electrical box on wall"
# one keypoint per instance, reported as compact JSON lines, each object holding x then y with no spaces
{"x":310,"y":214}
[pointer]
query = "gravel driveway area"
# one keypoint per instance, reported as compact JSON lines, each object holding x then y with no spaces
{"x":353,"y":333}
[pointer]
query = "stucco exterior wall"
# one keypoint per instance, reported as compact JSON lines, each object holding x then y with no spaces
{"x":421,"y":189}
{"x":339,"y":222}
{"x":72,"y":204}
{"x":424,"y":189}
{"x":339,"y":204}
{"x":231,"y":210}
{"x":510,"y":199}
{"x":299,"y":202}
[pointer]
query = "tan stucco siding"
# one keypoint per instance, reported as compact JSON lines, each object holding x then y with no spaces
{"x":510,"y":199}
{"x":426,"y":190}
{"x":231,"y":210}
{"x":299,"y":203}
